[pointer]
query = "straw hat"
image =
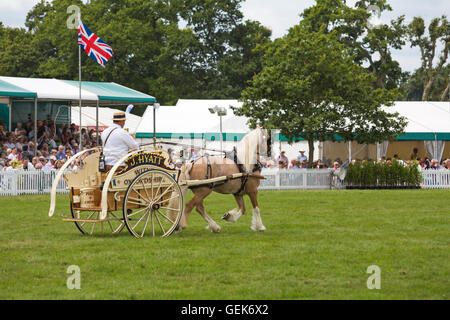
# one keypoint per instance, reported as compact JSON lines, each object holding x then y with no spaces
{"x":118,"y":116}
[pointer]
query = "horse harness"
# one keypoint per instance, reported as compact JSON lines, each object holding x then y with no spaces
{"x":209,"y":175}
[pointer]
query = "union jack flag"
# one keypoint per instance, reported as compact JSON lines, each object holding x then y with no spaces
{"x":95,"y":47}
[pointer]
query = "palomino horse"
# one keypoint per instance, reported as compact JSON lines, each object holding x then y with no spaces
{"x":246,"y":157}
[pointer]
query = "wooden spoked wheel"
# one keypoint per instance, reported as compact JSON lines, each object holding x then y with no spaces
{"x":114,"y":221}
{"x":153,"y":201}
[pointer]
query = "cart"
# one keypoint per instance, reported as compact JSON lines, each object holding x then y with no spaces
{"x":141,"y":192}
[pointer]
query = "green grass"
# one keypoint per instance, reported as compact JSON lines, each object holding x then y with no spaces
{"x":318,"y":245}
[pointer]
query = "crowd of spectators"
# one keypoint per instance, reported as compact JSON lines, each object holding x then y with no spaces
{"x":301,"y":162}
{"x":55,"y":144}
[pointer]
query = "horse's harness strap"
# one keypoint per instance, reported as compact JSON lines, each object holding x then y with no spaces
{"x":244,"y":178}
{"x":213,"y":185}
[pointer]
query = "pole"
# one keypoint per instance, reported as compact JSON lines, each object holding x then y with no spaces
{"x":154,"y":123}
{"x":221,"y":135}
{"x":35,"y":127}
{"x":96,"y":124}
{"x":349,"y":151}
{"x":79,"y":84}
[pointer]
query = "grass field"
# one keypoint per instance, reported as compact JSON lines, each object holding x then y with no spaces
{"x":318,"y":245}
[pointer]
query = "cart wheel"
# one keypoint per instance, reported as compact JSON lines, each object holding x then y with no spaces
{"x":113,"y":224}
{"x":154,"y":200}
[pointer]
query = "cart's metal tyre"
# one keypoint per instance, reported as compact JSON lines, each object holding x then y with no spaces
{"x":153,"y":201}
{"x":114,"y":223}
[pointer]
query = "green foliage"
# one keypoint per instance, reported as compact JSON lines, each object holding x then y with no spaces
{"x":310,"y":87}
{"x":377,"y":174}
{"x":371,"y":45}
{"x":212,"y":56}
{"x":438,"y":31}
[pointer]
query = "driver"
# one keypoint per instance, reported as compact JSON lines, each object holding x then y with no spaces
{"x":116,"y":141}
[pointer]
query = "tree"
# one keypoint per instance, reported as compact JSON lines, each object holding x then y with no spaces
{"x":371,"y":45}
{"x":438,"y":30}
{"x":212,"y":57}
{"x":18,"y":56}
{"x":413,"y":88}
{"x":310,"y":87}
{"x":226,"y":60}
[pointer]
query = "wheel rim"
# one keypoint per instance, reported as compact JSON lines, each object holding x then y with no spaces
{"x":114,"y":222}
{"x":153,"y":204}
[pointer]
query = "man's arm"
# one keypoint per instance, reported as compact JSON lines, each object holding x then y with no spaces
{"x":129,"y":141}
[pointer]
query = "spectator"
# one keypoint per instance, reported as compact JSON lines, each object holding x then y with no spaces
{"x":399,"y":160}
{"x":446,"y":164}
{"x":25,"y":154}
{"x":435,"y":165}
{"x":19,"y":129}
{"x":13,"y":154}
{"x":26,"y":165}
{"x":50,"y":163}
{"x":282,"y":165}
{"x":282,"y":158}
{"x":58,"y":164}
{"x":31,"y":148}
{"x":415,"y":155}
{"x":10,"y":142}
{"x":336,"y":166}
{"x":31,"y":132}
{"x":60,"y":155}
{"x":301,"y":157}
{"x":42,"y":161}
{"x":293,"y":164}
{"x":74,"y":147}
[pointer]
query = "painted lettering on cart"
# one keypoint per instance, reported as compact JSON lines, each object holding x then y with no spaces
{"x":145,"y":158}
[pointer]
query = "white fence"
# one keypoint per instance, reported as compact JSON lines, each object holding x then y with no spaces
{"x":436,"y":179}
{"x":295,"y":179}
{"x":17,"y":182}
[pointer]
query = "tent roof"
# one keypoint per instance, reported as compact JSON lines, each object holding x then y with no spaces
{"x":105,"y":115}
{"x":425,"y":118}
{"x":191,"y":118}
{"x":10,"y":90}
{"x":110,"y":91}
{"x":106,"y":93}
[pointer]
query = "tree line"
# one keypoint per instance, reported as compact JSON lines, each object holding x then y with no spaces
{"x":205,"y":48}
{"x":329,"y":75}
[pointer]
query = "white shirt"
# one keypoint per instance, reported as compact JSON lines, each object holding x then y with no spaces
{"x":117,"y":145}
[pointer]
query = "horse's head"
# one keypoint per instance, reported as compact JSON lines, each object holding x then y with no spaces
{"x":265,"y":142}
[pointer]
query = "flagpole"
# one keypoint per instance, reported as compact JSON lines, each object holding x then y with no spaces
{"x":80,"y":147}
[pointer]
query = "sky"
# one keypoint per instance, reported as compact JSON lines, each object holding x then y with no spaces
{"x":280,"y":15}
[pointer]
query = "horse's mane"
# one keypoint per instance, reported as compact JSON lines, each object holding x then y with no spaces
{"x":246,"y":149}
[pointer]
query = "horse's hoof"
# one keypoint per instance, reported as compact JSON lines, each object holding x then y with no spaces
{"x":254,"y":228}
{"x":215,"y":229}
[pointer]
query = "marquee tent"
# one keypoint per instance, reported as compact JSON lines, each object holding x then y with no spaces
{"x":32,"y":99}
{"x":105,"y":116}
{"x":190,"y":122}
{"x":428,"y":129}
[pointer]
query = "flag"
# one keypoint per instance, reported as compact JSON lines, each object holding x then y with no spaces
{"x":95,"y":47}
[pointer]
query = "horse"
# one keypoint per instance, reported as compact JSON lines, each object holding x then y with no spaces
{"x":246,"y":159}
